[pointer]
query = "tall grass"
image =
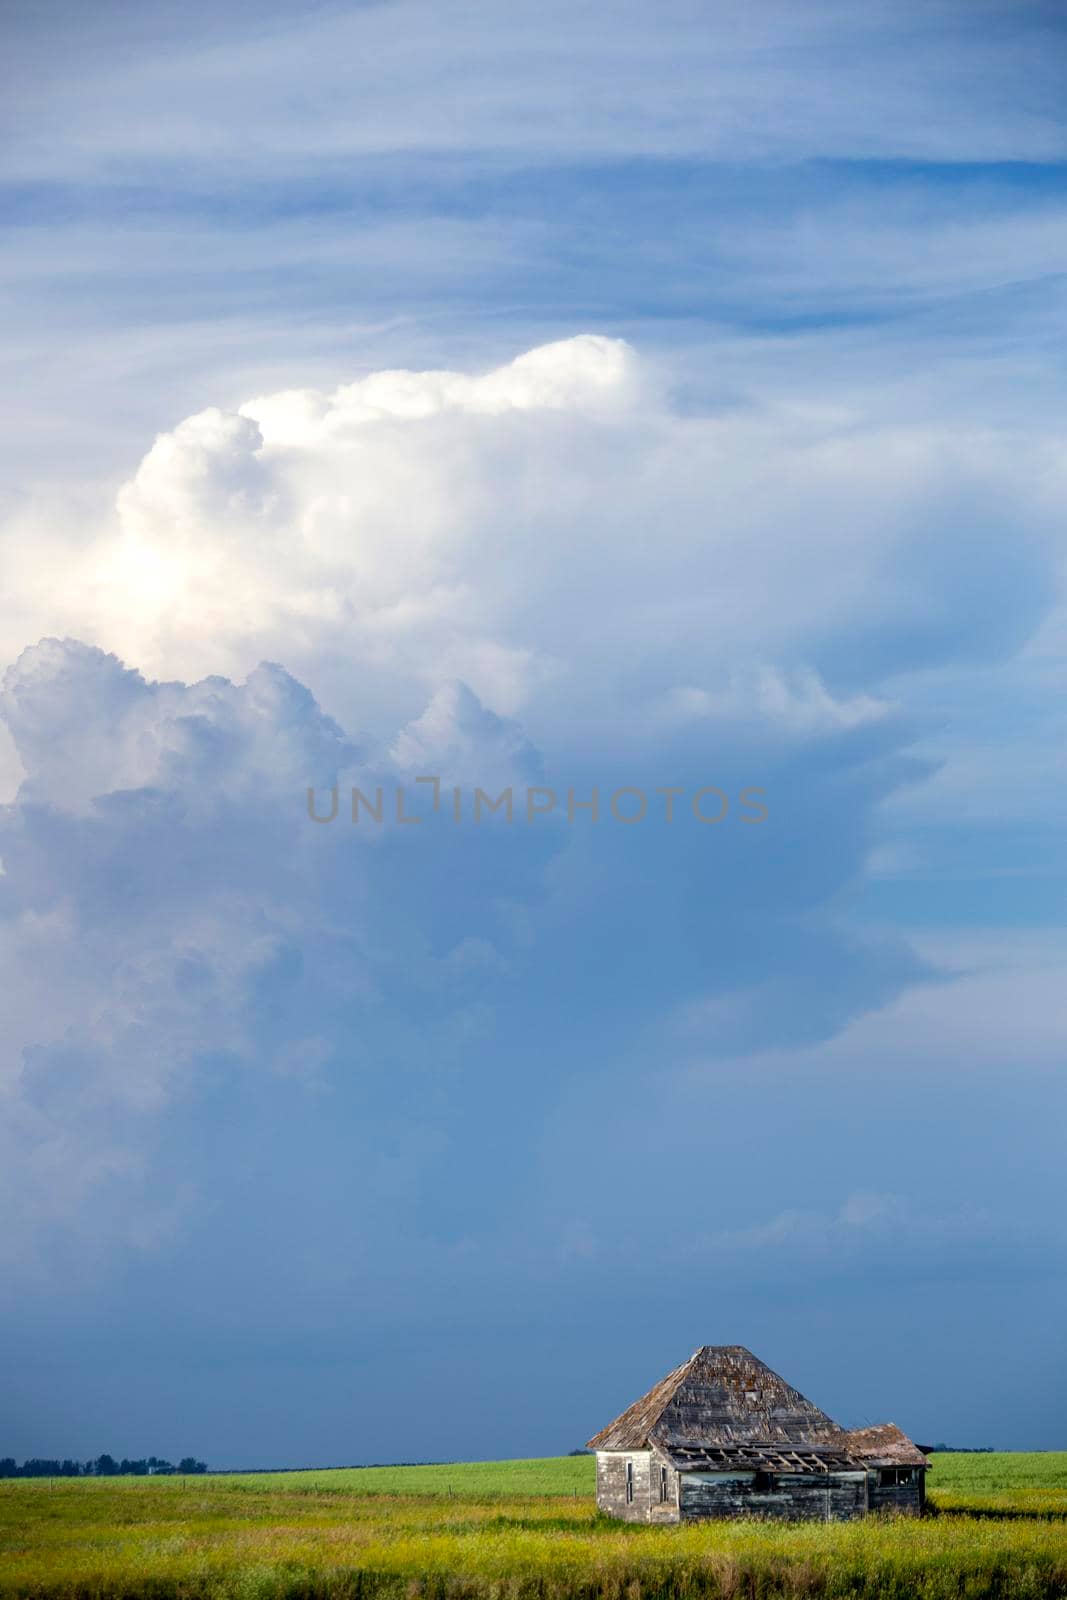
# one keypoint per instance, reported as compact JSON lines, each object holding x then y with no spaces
{"x":286,"y":1538}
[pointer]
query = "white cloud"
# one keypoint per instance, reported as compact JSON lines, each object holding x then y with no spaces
{"x":798,"y":702}
{"x":167,"y":913}
{"x":456,"y":738}
{"x":432,"y":554}
{"x":584,"y":375}
{"x":539,"y":531}
{"x":85,"y":726}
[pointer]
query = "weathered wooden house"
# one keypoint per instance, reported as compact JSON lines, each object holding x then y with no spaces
{"x":724,"y":1436}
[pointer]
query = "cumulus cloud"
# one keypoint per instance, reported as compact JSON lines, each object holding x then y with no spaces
{"x":456,"y":738}
{"x":85,"y":726}
{"x":550,"y":573}
{"x":169,"y":913}
{"x":166,"y":904}
{"x":556,"y":533}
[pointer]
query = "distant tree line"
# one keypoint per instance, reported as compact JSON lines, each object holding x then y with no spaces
{"x":102,"y":1467}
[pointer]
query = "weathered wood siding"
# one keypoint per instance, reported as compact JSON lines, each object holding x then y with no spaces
{"x":801,"y":1496}
{"x":611,"y":1483}
{"x":697,"y":1496}
{"x":901,"y":1499}
{"x":715,"y":1494}
{"x":646,"y":1505}
{"x":664,"y":1510}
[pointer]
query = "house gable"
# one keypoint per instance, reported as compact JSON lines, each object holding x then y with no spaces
{"x":723,"y":1395}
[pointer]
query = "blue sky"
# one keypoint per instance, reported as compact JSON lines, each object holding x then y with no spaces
{"x":574,"y":396}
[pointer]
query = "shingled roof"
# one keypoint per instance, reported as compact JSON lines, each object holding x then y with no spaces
{"x":723,"y":1395}
{"x":884,"y":1445}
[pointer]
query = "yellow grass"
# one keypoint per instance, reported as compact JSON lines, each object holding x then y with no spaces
{"x":270,"y":1537}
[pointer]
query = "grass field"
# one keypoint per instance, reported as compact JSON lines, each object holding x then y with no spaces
{"x":511,"y":1530}
{"x":1030,"y":1481}
{"x":554,"y":1475}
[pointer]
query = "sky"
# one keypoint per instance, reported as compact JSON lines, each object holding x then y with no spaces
{"x":661,"y":403}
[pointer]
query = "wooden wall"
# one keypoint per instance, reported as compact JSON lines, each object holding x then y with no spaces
{"x":646,"y":1505}
{"x":694,"y":1496}
{"x":794,"y":1496}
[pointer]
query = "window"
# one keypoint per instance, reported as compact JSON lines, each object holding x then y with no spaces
{"x":890,"y":1476}
{"x":662,"y":1484}
{"x":629,"y":1482}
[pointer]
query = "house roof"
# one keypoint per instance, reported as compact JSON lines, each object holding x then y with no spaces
{"x":723,"y":1395}
{"x":884,"y":1445}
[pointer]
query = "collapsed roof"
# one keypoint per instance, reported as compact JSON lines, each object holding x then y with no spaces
{"x":884,"y":1445}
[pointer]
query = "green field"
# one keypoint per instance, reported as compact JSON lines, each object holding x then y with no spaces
{"x":554,"y":1475}
{"x":1022,"y":1481}
{"x":511,"y":1530}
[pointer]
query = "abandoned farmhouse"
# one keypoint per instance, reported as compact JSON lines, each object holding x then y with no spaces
{"x":724,"y":1436}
